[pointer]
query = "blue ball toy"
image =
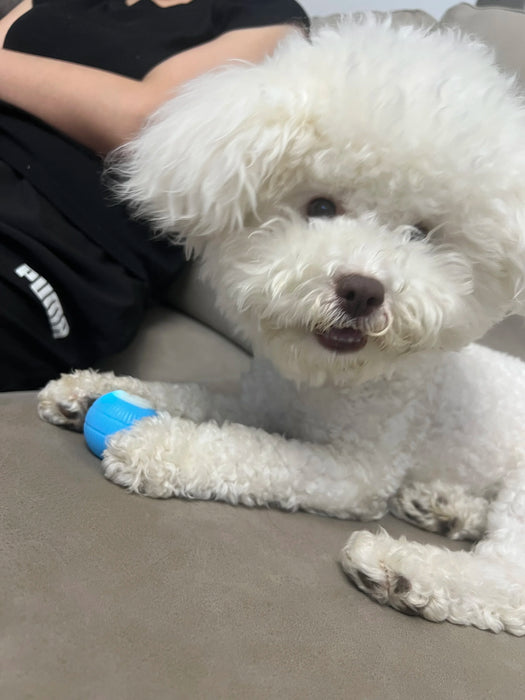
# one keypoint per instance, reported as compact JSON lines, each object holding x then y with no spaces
{"x":110,"y":413}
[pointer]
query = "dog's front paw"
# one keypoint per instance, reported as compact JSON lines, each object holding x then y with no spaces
{"x":150,"y":458}
{"x":66,"y":401}
{"x":373,"y":563}
{"x":447,"y":509}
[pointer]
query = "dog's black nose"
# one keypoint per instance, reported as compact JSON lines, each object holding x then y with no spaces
{"x":359,"y":295}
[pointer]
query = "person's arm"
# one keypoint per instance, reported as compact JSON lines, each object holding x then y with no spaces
{"x":102,"y":110}
{"x":12,"y":16}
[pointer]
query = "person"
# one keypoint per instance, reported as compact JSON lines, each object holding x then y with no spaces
{"x":77,"y":79}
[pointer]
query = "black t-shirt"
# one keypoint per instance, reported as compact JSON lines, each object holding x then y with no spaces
{"x":129,"y":40}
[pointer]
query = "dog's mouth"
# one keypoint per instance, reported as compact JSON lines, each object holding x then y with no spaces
{"x":342,"y":339}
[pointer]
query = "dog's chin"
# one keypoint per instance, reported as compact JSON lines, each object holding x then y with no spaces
{"x":335,"y":356}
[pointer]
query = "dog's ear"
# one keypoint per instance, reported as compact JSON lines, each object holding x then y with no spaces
{"x":503,"y":256}
{"x":517,"y":274}
{"x":197,"y":166}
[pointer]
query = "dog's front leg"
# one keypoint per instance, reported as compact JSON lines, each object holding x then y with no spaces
{"x":65,"y":401}
{"x":164,"y":456}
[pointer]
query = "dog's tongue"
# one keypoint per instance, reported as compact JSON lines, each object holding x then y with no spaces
{"x":342,"y":339}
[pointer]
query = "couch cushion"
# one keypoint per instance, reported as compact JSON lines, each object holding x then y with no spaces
{"x":418,"y":18}
{"x":502,"y":29}
{"x":106,"y":595}
{"x":171,"y":346}
{"x":192,"y":295}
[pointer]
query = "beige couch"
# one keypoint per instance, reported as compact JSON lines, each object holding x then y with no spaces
{"x":110,"y":596}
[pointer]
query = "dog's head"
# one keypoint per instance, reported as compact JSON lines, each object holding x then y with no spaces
{"x":354,"y":199}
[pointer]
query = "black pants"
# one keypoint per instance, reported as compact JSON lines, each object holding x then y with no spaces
{"x":64,"y":303}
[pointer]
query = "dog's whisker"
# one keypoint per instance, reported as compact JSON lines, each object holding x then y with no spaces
{"x":383,"y":331}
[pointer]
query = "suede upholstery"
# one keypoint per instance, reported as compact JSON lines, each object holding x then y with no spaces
{"x":107,"y":595}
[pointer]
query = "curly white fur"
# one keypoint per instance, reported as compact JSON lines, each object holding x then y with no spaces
{"x":405,"y":133}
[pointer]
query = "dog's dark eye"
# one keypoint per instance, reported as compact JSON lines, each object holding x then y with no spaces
{"x":418,"y":232}
{"x":320,"y":207}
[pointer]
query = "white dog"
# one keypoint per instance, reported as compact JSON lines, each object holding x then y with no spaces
{"x":358,"y":202}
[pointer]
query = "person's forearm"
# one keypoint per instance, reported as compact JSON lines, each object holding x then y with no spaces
{"x":96,"y":108}
{"x":102,"y":110}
